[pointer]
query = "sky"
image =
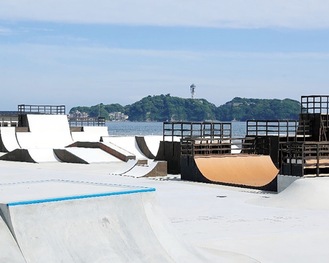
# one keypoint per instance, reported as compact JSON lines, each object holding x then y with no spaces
{"x":82,"y":53}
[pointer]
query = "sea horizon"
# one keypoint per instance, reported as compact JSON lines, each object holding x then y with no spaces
{"x":128,"y":128}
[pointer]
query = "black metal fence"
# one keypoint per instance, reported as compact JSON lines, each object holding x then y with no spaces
{"x":79,"y":122}
{"x":41,"y":109}
{"x":302,"y":158}
{"x":315,"y":104}
{"x":210,"y":130}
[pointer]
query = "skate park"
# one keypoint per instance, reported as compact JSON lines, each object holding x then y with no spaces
{"x":170,"y":219}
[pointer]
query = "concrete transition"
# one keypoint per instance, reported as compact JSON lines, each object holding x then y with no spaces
{"x":254,"y":171}
{"x":140,"y":140}
{"x":66,"y":156}
{"x":8,"y":140}
{"x":18,"y":155}
{"x":122,"y":224}
{"x":10,"y":251}
{"x":147,"y":168}
{"x":45,"y":131}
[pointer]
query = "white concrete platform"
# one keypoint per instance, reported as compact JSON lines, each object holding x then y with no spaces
{"x":86,"y":221}
{"x":224,"y":224}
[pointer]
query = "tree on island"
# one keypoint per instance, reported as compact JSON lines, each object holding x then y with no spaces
{"x":167,"y":108}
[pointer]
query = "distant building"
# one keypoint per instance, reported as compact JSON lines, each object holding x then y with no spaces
{"x":78,"y":114}
{"x":118,"y":116}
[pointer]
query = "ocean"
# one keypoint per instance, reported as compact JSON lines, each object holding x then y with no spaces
{"x":155,"y":128}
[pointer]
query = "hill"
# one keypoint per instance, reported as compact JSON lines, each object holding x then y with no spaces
{"x":243,"y":109}
{"x":168,"y":108}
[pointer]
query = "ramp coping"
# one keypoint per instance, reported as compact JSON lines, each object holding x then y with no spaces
{"x":135,"y":190}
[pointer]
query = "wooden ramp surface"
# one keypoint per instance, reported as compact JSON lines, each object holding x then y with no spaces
{"x":247,"y":170}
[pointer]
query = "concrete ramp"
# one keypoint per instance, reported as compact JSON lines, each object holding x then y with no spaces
{"x":9,"y":250}
{"x":124,"y":167}
{"x":67,"y":157}
{"x":18,"y":155}
{"x":107,"y":147}
{"x":148,"y":169}
{"x":92,"y":155}
{"x":127,"y":143}
{"x":153,"y":143}
{"x":303,"y":193}
{"x":149,"y":145}
{"x":90,"y":222}
{"x":90,"y":134}
{"x":254,"y":171}
{"x":43,"y":155}
{"x":45,"y":131}
{"x":31,"y":155}
{"x":8,"y":140}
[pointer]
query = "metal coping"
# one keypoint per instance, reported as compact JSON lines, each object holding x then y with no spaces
{"x":76,"y":197}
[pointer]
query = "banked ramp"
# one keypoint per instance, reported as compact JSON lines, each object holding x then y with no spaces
{"x":90,"y":222}
{"x":252,"y":171}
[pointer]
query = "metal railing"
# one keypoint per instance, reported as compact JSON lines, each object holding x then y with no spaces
{"x":41,"y":109}
{"x":88,"y":121}
{"x":209,"y":130}
{"x":8,"y":118}
{"x":219,"y":146}
{"x":307,"y":155}
{"x":282,"y":128}
{"x":315,"y":104}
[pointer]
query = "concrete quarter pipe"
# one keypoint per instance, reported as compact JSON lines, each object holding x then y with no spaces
{"x":9,"y":251}
{"x":115,"y":224}
{"x":254,"y":171}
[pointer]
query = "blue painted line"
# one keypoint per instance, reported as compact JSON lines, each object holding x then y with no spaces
{"x":58,"y":199}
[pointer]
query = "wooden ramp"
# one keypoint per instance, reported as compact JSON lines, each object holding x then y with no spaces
{"x":253,"y":171}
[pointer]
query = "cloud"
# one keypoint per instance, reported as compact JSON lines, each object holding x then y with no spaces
{"x":5,"y":31}
{"x":199,"y":13}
